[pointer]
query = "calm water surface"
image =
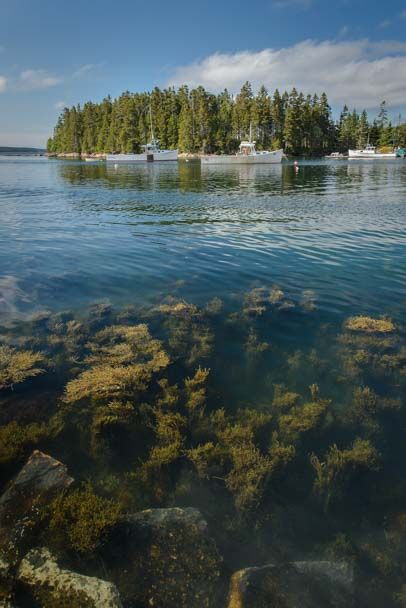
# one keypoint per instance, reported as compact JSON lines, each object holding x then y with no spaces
{"x":72,"y":234}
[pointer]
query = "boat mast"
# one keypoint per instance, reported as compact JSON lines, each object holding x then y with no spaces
{"x":150,"y":120}
{"x":250,"y":132}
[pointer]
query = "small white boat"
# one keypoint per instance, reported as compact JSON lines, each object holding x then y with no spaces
{"x":247,"y":155}
{"x":370,"y":152}
{"x":336,"y":156}
{"x":89,"y":159}
{"x":152,"y":153}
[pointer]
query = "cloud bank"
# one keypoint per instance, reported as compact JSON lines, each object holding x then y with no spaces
{"x":359,"y":72}
{"x":3,"y":83}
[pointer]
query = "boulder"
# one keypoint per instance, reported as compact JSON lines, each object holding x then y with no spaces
{"x":50,"y":585}
{"x":293,"y":585}
{"x":170,"y":559}
{"x":40,"y":479}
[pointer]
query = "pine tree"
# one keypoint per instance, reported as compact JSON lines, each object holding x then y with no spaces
{"x":278,"y":121}
{"x":186,"y":121}
{"x":363,"y":130}
{"x":242,"y":115}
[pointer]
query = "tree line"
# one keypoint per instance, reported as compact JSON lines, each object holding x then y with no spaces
{"x":194,"y":120}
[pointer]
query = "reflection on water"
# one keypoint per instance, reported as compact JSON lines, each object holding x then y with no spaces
{"x":74,"y":233}
{"x":246,"y":357}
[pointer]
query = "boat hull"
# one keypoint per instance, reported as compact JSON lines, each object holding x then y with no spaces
{"x":161,"y":156}
{"x":270,"y":158}
{"x":370,"y":155}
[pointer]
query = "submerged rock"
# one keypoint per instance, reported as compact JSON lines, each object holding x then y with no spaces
{"x":170,"y":560}
{"x":51,"y":585}
{"x":40,"y":479}
{"x":293,"y":585}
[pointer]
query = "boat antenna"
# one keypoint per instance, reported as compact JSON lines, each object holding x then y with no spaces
{"x":250,"y":131}
{"x":150,"y":120}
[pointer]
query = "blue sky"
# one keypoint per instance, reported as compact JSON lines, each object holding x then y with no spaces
{"x":54,"y":52}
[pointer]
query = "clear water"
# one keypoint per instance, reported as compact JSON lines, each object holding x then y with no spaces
{"x":323,"y":243}
{"x":71,"y":234}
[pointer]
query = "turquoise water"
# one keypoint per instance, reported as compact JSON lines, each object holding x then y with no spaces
{"x":254,"y":274}
{"x":72,"y":234}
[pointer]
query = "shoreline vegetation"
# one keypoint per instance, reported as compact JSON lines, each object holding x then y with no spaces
{"x":198,"y":122}
{"x":177,"y":484}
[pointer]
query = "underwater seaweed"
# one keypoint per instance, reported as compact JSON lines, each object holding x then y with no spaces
{"x":16,"y":366}
{"x":370,"y":325}
{"x":80,"y":520}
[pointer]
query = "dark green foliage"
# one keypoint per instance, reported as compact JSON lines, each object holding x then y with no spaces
{"x":198,"y":121}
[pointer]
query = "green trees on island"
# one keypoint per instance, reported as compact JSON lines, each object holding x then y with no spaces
{"x":198,"y":121}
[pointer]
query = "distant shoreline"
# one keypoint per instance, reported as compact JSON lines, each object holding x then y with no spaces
{"x":21,"y":151}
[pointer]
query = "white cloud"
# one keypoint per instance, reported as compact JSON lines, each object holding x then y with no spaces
{"x":403,"y":14}
{"x":60,"y":105}
{"x":385,"y":23}
{"x":3,"y":83}
{"x":37,"y":79}
{"x":358,"y":72}
{"x":82,"y":71}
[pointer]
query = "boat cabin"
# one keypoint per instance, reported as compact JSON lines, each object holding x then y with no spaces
{"x":152,"y":147}
{"x":247,"y":148}
{"x":369,"y":149}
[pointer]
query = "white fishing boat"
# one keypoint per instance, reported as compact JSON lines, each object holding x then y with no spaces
{"x":247,"y":155}
{"x":152,"y":152}
{"x":370,"y":152}
{"x":336,"y":156}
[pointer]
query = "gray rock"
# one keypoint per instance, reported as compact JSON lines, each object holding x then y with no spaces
{"x":40,"y":479}
{"x":170,"y":559}
{"x":51,"y":585}
{"x":293,"y":585}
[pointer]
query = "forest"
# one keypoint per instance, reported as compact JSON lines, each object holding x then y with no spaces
{"x":196,"y":121}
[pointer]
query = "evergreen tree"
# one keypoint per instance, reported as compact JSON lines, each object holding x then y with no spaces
{"x":363,"y":130}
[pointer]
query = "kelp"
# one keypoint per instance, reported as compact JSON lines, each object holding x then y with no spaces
{"x":370,"y":325}
{"x":121,"y":360}
{"x":16,"y":366}
{"x":16,"y":440}
{"x":340,"y":465}
{"x":80,"y":520}
{"x":132,"y":405}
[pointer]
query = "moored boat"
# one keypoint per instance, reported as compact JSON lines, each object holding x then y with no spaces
{"x":152,"y":153}
{"x":336,"y":156}
{"x":370,"y":152}
{"x":247,"y":155}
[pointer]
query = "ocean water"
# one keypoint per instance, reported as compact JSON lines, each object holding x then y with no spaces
{"x":73,"y":234}
{"x":253,"y":274}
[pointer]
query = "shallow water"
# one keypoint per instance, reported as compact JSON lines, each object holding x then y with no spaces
{"x":251,"y":273}
{"x":71,"y":234}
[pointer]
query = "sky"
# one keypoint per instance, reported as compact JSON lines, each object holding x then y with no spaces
{"x":55,"y":53}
